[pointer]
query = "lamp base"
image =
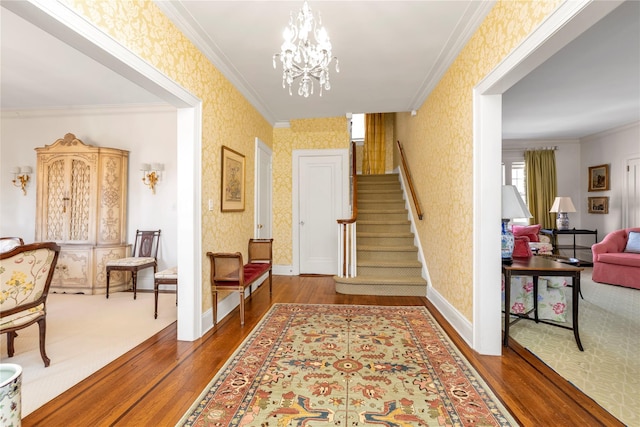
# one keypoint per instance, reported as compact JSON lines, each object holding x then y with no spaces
{"x":562,"y":222}
{"x":507,"y":241}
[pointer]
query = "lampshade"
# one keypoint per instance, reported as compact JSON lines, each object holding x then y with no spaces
{"x":562,"y":204}
{"x":512,"y":204}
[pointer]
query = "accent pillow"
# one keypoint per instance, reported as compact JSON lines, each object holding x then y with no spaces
{"x":521,"y":247}
{"x":633,"y":242}
{"x":531,"y":231}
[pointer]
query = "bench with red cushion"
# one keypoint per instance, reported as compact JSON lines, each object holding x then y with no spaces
{"x":228,"y":273}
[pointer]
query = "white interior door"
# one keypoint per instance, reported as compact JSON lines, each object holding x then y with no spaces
{"x":263,"y":183}
{"x":633,"y":194}
{"x":320,"y":204}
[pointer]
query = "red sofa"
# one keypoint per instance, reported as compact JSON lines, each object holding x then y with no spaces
{"x":612,"y":265}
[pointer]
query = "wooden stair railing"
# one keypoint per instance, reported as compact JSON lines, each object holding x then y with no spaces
{"x":347,"y":236}
{"x":407,"y":173}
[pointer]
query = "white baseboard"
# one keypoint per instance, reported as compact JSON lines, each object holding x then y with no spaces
{"x":460,"y":323}
{"x":283,"y":270}
{"x":228,"y":304}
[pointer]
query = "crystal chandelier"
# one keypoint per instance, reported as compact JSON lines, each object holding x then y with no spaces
{"x":301,"y":57}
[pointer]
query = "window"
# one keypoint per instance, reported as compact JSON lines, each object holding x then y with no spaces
{"x":357,"y":128}
{"x":514,"y":173}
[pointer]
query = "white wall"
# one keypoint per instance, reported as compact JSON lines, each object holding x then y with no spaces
{"x":148,"y":132}
{"x":614,"y":148}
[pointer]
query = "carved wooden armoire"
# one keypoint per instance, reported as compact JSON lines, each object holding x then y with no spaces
{"x":81,"y":205}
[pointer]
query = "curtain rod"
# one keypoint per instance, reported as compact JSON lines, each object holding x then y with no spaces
{"x":555,"y":147}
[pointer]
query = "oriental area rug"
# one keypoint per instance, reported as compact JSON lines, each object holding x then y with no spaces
{"x":347,"y":365}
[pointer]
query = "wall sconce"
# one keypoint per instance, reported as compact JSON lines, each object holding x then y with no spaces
{"x":21,"y":177}
{"x":151,"y":174}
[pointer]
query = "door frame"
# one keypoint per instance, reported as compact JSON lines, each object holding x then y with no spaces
{"x":75,"y":30}
{"x":295,"y":195}
{"x":262,"y":149}
{"x":626,"y":197}
{"x":568,"y":21}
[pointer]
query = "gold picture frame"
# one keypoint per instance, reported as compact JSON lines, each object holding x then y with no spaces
{"x":599,"y":178}
{"x":599,"y":205}
{"x":232,"y":185}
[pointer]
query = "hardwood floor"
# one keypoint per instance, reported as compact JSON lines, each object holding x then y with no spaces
{"x":156,"y":383}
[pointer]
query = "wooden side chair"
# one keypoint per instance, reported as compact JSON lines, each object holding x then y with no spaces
{"x":144,"y":255}
{"x":164,"y":277}
{"x":228,"y":273}
{"x":25,"y":277}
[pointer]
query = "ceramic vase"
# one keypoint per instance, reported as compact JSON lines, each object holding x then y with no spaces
{"x":10,"y":395}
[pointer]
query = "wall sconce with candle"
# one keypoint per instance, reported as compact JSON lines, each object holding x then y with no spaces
{"x":21,"y":177}
{"x":151,"y":174}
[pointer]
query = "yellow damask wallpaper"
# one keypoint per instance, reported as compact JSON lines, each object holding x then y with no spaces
{"x":302,"y":134}
{"x":440,"y":136}
{"x":227,"y":117}
{"x":438,"y":143}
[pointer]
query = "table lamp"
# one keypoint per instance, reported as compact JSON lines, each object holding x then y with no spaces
{"x":562,"y":205}
{"x":512,"y":207}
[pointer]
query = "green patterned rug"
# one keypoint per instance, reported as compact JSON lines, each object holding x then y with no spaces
{"x":347,"y":365}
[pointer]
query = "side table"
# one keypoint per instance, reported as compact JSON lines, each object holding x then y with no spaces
{"x":553,"y":233}
{"x":537,"y":266}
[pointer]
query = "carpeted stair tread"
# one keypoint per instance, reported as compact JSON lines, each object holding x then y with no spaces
{"x":389,"y":263}
{"x":381,"y":205}
{"x":381,"y":211}
{"x":383,"y":235}
{"x":385,"y":222}
{"x":387,"y":248}
{"x":376,"y":280}
{"x":369,"y":285}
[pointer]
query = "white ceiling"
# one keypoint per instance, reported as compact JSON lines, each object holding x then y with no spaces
{"x":391,"y":53}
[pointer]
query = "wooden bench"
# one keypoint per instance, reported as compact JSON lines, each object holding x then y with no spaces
{"x":165,"y":277}
{"x":229,"y":273}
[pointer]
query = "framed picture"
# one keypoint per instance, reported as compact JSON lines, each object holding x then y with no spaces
{"x":599,"y":205}
{"x":599,"y":178}
{"x":232,"y":189}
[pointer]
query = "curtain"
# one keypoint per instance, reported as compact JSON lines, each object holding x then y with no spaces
{"x":542,"y":185}
{"x":373,"y":153}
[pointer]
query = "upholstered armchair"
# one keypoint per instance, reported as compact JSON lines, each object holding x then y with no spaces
{"x":25,"y":277}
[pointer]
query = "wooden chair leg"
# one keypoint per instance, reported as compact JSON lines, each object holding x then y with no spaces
{"x":242,"y":307}
{"x":215,"y":307}
{"x":108,"y":276}
{"x":10,"y":348}
{"x":155,"y":291}
{"x":42,"y":324}
{"x":270,"y":290}
{"x":134,"y":277}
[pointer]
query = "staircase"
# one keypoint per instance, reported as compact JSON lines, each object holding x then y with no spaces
{"x":387,"y":259}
